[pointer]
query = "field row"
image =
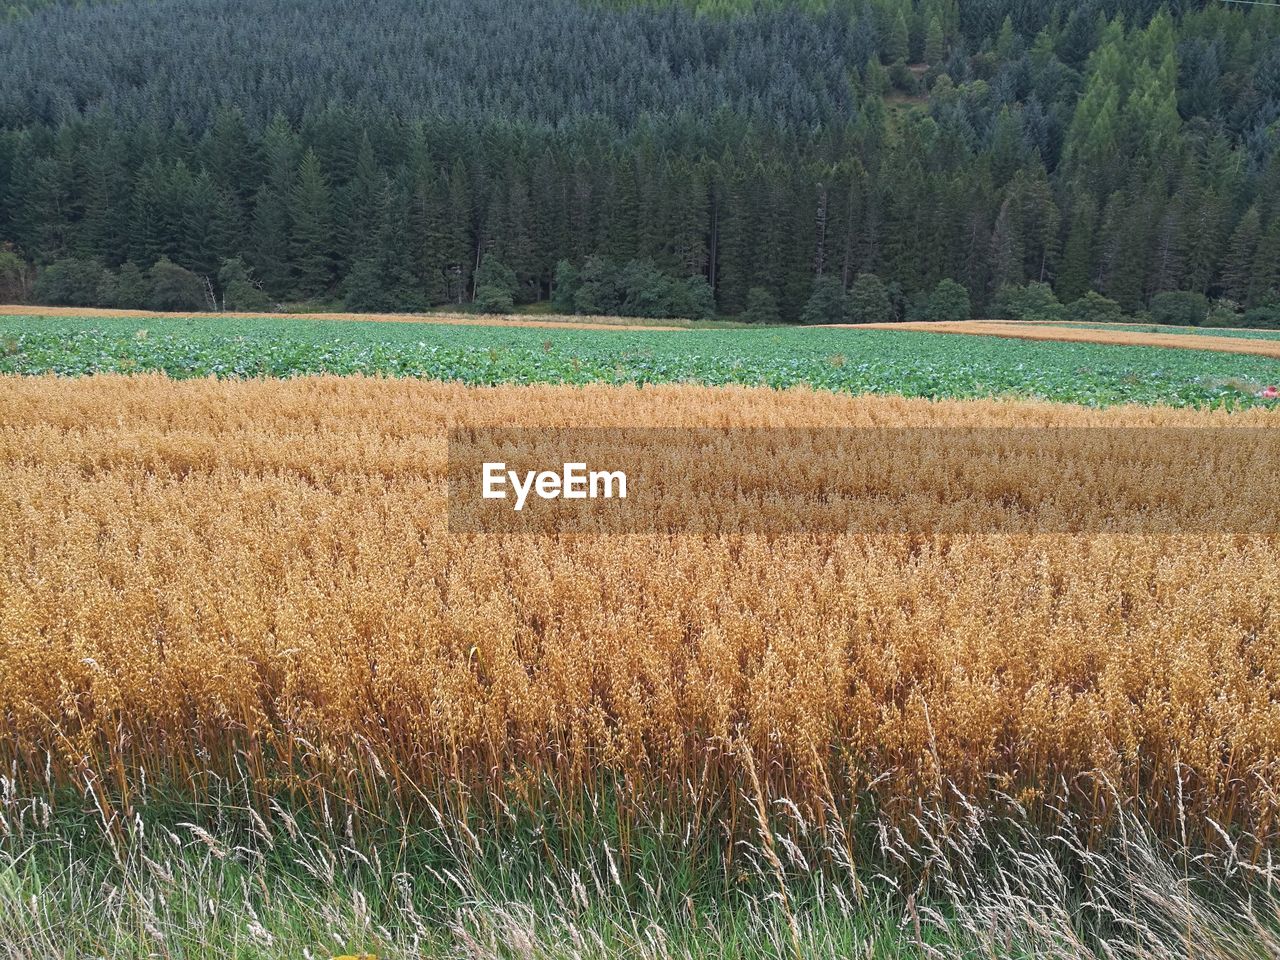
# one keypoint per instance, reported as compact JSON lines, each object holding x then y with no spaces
{"x":898,"y":361}
{"x":1243,"y":342}
{"x":198,"y":575}
{"x":1234,"y":333}
{"x":533,"y":321}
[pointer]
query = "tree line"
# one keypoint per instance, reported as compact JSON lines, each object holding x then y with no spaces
{"x":773,"y":162}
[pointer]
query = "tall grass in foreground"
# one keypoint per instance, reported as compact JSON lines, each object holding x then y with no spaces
{"x":218,"y":880}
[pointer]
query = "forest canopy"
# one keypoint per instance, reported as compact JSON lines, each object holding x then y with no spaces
{"x":1123,"y":149}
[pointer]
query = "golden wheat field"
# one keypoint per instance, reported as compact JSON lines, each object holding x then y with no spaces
{"x":199,"y":575}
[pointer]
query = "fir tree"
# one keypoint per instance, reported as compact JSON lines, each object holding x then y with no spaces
{"x":311,"y":219}
{"x":935,"y":49}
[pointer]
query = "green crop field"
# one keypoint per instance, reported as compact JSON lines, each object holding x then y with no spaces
{"x":852,"y":361}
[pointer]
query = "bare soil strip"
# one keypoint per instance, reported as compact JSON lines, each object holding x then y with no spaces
{"x":454,"y":319}
{"x":1018,"y":330}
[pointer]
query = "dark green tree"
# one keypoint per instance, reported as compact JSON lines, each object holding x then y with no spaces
{"x":1237,"y":272}
{"x":493,"y":299}
{"x":761,"y":307}
{"x":935,"y":47}
{"x":1093,"y":307}
{"x":1034,"y":301}
{"x":311,"y":220}
{"x":947,"y":301}
{"x":129,"y":288}
{"x":827,"y":303}
{"x":239,"y":292}
{"x":1179,"y":308}
{"x":868,"y":300}
{"x":71,"y":283}
{"x":177,"y":289}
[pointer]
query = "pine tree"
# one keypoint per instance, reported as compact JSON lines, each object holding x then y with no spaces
{"x":1006,"y":41}
{"x":197,"y":251}
{"x":1237,"y":270}
{"x":1167,"y":264}
{"x":271,"y":230}
{"x":1079,"y":36}
{"x":357,"y":204}
{"x":1006,"y":249}
{"x":429,"y":224}
{"x":1264,"y":287}
{"x":228,"y":237}
{"x":230,"y":157}
{"x":1202,"y":238}
{"x":459,"y":246}
{"x":1202,"y":96}
{"x":549,"y":235}
{"x":269,"y":250}
{"x":1006,"y":146}
{"x":1077,"y":257}
{"x":734,"y":272}
{"x":365,"y":288}
{"x":147,"y":240}
{"x":896,"y":40}
{"x":311,"y":218}
{"x":103,"y":230}
{"x":39,"y":224}
{"x":792,"y":206}
{"x":688,"y":220}
{"x":846,"y":215}
{"x":393,"y":245}
{"x":1039,"y":222}
{"x":935,"y":48}
{"x":1128,"y":252}
{"x":515,"y":243}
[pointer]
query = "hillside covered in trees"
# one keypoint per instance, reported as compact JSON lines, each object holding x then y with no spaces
{"x":819,"y":160}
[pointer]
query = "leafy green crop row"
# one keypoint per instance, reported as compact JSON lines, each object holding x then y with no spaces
{"x":854,"y":361}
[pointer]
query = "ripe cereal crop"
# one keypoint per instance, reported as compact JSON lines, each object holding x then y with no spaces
{"x":203,"y":574}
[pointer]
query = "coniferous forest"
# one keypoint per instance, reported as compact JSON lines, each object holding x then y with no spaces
{"x":768,"y":161}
